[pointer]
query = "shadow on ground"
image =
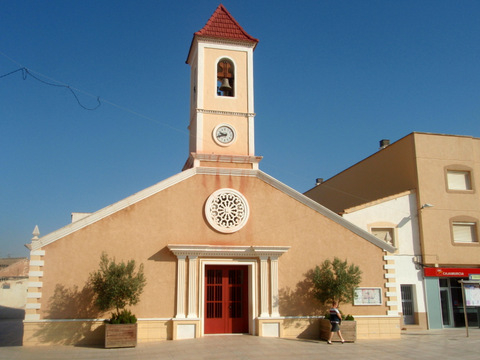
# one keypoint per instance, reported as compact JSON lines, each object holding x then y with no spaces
{"x":11,"y":326}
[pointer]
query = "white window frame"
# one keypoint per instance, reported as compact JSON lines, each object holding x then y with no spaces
{"x":464,"y":232}
{"x":459,"y":180}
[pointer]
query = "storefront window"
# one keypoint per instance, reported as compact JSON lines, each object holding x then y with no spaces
{"x":452,"y":304}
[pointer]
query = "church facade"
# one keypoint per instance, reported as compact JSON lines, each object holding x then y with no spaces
{"x":226,"y":248}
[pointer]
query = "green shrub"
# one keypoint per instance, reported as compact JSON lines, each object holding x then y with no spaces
{"x":335,"y":281}
{"x":117,"y":285}
{"x":123,"y":317}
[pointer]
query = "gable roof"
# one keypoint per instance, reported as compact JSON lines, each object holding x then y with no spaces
{"x":152,"y":190}
{"x":5,"y":262}
{"x":14,"y":267}
{"x":222,"y":25}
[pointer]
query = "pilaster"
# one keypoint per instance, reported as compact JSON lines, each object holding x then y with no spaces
{"x":192,"y":287}
{"x":274,"y":286}
{"x":181,"y":286}
{"x":264,"y":286}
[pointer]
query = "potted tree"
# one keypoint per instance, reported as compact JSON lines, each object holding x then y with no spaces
{"x":336,"y":281}
{"x":117,"y":285}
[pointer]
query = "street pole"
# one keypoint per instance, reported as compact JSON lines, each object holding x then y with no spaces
{"x":464,"y":307}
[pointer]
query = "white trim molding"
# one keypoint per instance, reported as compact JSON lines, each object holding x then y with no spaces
{"x":37,"y":263}
{"x":31,"y":317}
{"x":32,"y":306}
{"x":225,"y":113}
{"x":226,"y":251}
{"x":34,"y":295}
{"x":35,"y":273}
{"x":37,"y":252}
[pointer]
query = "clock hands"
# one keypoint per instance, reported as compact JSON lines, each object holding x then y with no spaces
{"x":224,"y":135}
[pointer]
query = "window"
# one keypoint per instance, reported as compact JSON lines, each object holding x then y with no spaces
{"x":459,"y":180}
{"x":225,"y":78}
{"x":464,"y":232}
{"x":385,"y":234}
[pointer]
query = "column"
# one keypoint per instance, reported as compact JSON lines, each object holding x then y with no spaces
{"x":274,"y":286}
{"x":192,"y":287}
{"x":180,"y":287}
{"x":264,"y":286}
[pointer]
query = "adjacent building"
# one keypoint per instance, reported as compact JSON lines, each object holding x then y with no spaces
{"x":441,"y":172}
{"x":226,"y":248}
{"x":394,"y":219}
{"x":13,"y":287}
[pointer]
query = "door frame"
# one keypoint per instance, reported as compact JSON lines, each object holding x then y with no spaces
{"x":252,"y":286}
{"x":447,"y":290}
{"x":411,"y":317}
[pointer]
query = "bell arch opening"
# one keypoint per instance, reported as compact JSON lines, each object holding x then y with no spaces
{"x":225,"y":78}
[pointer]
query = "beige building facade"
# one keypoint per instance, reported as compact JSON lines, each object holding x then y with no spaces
{"x":443,"y":171}
{"x":394,"y":219}
{"x":226,"y":248}
{"x":13,"y":287}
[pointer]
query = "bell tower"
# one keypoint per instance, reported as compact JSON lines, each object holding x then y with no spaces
{"x":221,"y":95}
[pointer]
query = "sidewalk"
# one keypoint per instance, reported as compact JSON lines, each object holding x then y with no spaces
{"x":432,"y":344}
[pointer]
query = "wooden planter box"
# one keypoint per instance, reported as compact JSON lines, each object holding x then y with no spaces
{"x":348,"y":329}
{"x":120,"y":335}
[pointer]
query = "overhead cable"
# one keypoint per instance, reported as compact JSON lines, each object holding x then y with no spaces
{"x":26,"y":72}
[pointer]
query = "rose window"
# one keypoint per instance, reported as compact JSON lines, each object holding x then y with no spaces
{"x":226,"y":210}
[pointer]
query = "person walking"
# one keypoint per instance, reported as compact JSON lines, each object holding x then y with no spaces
{"x":335,"y":321}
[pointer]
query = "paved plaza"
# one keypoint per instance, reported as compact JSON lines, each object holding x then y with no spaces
{"x":424,"y":345}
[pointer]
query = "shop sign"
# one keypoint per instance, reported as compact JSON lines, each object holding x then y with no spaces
{"x":450,"y":272}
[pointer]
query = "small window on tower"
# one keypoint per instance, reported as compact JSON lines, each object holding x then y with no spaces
{"x":225,"y":78}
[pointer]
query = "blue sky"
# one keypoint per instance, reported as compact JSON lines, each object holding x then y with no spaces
{"x":332,"y":78}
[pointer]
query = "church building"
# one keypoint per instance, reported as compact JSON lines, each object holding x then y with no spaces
{"x":226,"y":248}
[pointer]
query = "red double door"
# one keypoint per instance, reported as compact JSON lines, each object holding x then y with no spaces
{"x":226,"y":299}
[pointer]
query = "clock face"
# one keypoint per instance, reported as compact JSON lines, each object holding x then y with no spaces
{"x":224,"y":134}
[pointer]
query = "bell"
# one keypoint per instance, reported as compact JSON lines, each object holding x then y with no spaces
{"x":225,"y":85}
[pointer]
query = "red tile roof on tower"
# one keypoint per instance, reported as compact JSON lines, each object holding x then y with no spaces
{"x":222,"y":25}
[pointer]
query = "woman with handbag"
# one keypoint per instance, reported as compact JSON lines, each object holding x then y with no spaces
{"x":335,"y":321}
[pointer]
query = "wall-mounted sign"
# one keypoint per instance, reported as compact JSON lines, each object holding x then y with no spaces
{"x":450,"y":272}
{"x":368,"y":296}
